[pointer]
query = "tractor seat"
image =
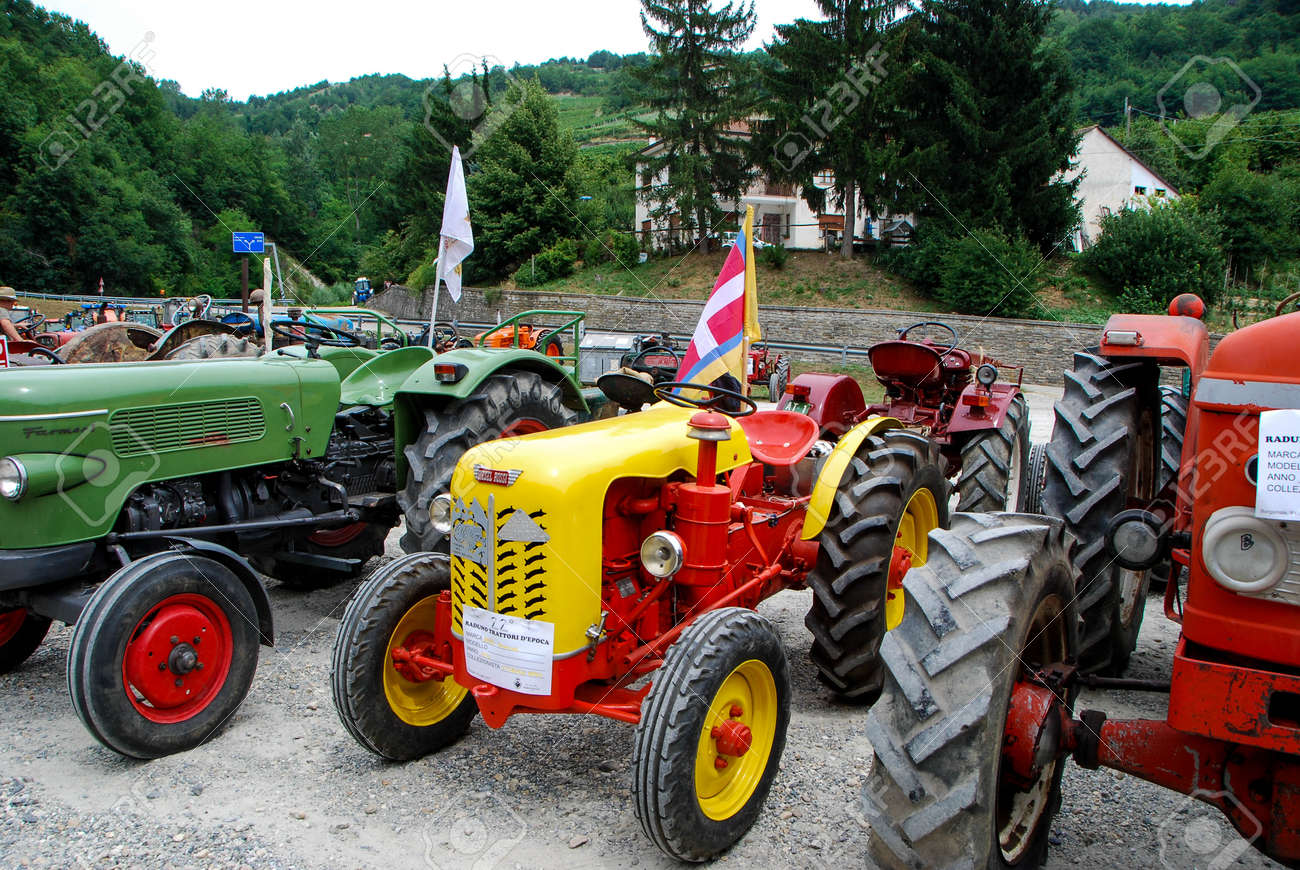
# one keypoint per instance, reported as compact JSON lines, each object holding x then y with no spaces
{"x":779,"y":438}
{"x":908,"y":361}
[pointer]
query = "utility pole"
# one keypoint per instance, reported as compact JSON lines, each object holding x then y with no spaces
{"x":1128,"y":119}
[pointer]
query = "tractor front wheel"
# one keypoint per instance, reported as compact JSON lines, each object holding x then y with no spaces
{"x":505,"y":403}
{"x":21,"y":632}
{"x":711,"y":734}
{"x":1102,"y":459}
{"x":891,"y":496}
{"x":779,"y":380}
{"x":995,"y":464}
{"x":163,"y":655}
{"x":994,"y":604}
{"x":387,"y":711}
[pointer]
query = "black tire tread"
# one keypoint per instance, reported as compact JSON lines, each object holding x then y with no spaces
{"x":986,"y":459}
{"x":21,"y":646}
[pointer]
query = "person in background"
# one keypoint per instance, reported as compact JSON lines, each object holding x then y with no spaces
{"x":8,"y":299}
{"x":107,"y":314}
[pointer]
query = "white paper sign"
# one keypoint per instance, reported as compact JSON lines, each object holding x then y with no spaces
{"x":1277,"y":488}
{"x":509,"y":652}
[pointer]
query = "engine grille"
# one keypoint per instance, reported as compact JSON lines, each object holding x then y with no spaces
{"x":166,"y":428}
{"x":504,"y":571}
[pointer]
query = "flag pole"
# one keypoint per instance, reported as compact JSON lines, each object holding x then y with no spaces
{"x":433,"y":316}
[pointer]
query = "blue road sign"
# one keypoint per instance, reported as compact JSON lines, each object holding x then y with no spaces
{"x":248,"y":243}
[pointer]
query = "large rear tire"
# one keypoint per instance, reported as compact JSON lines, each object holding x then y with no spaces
{"x":1032,"y":503}
{"x":21,"y":632}
{"x":891,"y":496}
{"x":994,"y":601}
{"x":1102,"y":457}
{"x":1173,"y":427}
{"x":163,"y":655}
{"x":514,"y":403}
{"x":711,"y":734}
{"x":392,"y":716}
{"x":995,"y":464}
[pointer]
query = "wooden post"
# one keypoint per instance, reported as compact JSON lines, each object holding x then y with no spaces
{"x":243,"y":282}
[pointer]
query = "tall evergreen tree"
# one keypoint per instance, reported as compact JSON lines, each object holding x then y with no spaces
{"x":691,"y":79}
{"x":991,"y":121}
{"x":827,"y":108}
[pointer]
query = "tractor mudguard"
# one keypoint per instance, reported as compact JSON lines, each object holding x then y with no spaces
{"x":345,"y":360}
{"x":376,"y":381}
{"x":1166,"y":339}
{"x":835,"y":401}
{"x":828,"y":482}
{"x":480,"y":363}
{"x":965,"y":418}
{"x":236,"y":563}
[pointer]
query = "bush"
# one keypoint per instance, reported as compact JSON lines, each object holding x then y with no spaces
{"x":984,"y":273}
{"x":1259,"y":214}
{"x":555,"y":262}
{"x":423,"y":277}
{"x":774,"y":256}
{"x":920,"y":261}
{"x":1150,"y":256}
{"x":612,"y":247}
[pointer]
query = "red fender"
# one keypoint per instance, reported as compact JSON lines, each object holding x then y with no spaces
{"x":835,"y":401}
{"x":972,"y":415}
{"x":1177,"y":341}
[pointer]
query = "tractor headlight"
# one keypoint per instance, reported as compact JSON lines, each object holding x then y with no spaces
{"x":1243,"y":553}
{"x":662,"y":554}
{"x":986,"y":374}
{"x":440,"y":513}
{"x":13,"y":478}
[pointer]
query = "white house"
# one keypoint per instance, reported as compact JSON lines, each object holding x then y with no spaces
{"x":781,"y":215}
{"x":1113,"y":179}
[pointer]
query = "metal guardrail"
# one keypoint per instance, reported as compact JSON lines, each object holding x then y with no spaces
{"x":844,"y":351}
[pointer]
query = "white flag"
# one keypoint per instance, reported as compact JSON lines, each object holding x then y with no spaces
{"x":457,"y":234}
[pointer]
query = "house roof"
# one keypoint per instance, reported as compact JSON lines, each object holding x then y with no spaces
{"x":1120,"y":145}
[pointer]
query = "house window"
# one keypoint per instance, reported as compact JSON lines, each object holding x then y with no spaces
{"x":788,"y":220}
{"x":1160,"y":191}
{"x":1139,"y":190}
{"x":824,"y":179}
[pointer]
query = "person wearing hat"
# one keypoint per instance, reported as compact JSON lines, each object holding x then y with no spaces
{"x":8,"y":299}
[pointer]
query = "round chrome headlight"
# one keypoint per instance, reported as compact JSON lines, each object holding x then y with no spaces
{"x":13,"y":478}
{"x":986,"y":374}
{"x":662,"y":554}
{"x":1243,"y":553}
{"x":440,"y":513}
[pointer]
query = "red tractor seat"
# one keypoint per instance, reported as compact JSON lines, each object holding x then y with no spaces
{"x":779,"y":438}
{"x":915,"y":363}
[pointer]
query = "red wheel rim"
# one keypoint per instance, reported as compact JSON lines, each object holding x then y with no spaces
{"x":552,"y":349}
{"x":177,"y":658}
{"x":10,"y":623}
{"x":337,"y":537}
{"x":526,"y":426}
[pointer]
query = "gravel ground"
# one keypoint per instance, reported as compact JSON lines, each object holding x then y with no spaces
{"x":285,"y":786}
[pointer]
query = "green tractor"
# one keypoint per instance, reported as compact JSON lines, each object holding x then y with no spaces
{"x":137,"y":500}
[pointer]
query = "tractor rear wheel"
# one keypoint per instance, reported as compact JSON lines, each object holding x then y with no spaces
{"x":163,"y":655}
{"x":1103,"y":456}
{"x":505,"y":403}
{"x":779,"y":380}
{"x":1032,"y":503}
{"x":995,"y":602}
{"x":21,"y":632}
{"x":1173,"y":426}
{"x":392,"y":716}
{"x":357,"y":541}
{"x":995,"y":464}
{"x":217,"y":346}
{"x":711,"y":734}
{"x":892,"y":495}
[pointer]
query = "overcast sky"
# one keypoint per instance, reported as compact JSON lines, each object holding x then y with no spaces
{"x":268,"y":46}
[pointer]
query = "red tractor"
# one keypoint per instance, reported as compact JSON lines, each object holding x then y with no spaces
{"x":765,"y":367}
{"x":977,"y":718}
{"x":952,"y":396}
{"x":612,"y":569}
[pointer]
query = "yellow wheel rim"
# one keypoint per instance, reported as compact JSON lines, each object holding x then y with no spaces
{"x":748,"y":692}
{"x":920,"y":516}
{"x":426,"y":703}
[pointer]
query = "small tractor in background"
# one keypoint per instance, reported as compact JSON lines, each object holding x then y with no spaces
{"x":948,"y":394}
{"x":133,"y":495}
{"x":768,"y":368}
{"x":584,"y":561}
{"x":977,"y":719}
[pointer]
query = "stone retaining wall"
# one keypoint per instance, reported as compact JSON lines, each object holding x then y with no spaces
{"x":1044,"y":348}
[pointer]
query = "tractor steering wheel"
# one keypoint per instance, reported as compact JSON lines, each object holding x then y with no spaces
{"x":711,"y":403}
{"x":660,"y":349}
{"x":42,"y":350}
{"x":185,"y":311}
{"x":315,"y":333}
{"x":1281,"y":306}
{"x":902,"y":334}
{"x":30,"y":323}
{"x":445,"y":333}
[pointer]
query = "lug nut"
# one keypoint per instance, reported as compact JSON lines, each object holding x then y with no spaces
{"x":179,"y":682}
{"x":175,"y":640}
{"x":737,"y":711}
{"x":162,"y":666}
{"x":196,"y":640}
{"x":719,"y":763}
